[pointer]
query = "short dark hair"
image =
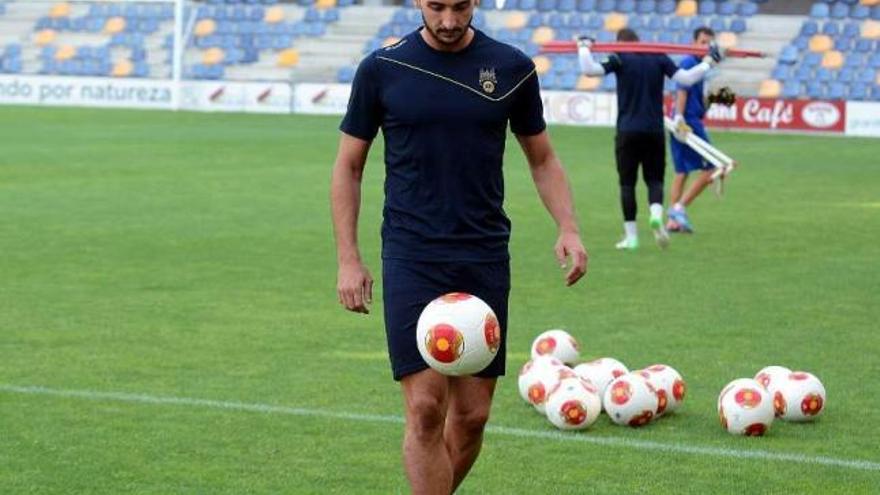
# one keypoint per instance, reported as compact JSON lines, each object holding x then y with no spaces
{"x":627,"y":34}
{"x":703,"y":30}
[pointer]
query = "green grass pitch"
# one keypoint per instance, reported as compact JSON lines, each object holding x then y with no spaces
{"x":190,"y":256}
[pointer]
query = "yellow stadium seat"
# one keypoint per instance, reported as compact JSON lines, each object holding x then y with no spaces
{"x":832,"y":60}
{"x":274,"y":15}
{"x":65,"y":52}
{"x":770,"y":88}
{"x":45,"y":37}
{"x":390,"y":41}
{"x":727,"y":39}
{"x":123,"y":68}
{"x":114,"y":25}
{"x":870,"y":3}
{"x":288,"y":57}
{"x":877,"y":79}
{"x":614,"y":22}
{"x":543,"y":34}
{"x":820,"y":43}
{"x":213,"y":56}
{"x":542,"y":64}
{"x":205,"y":27}
{"x":871,"y":29}
{"x":325,"y":4}
{"x":516,"y":20}
{"x":686,"y":8}
{"x":61,"y":9}
{"x":587,"y":83}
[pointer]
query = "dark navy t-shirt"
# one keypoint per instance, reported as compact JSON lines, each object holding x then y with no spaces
{"x":640,"y":79}
{"x":695,"y":106}
{"x":444,"y":117}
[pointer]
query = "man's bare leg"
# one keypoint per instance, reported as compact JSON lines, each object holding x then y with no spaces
{"x":470,"y":399}
{"x":697,"y":187}
{"x":425,"y":455}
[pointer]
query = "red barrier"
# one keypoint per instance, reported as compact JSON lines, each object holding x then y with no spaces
{"x":772,"y":114}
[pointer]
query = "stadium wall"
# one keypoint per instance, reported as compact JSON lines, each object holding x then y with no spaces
{"x":560,"y":107}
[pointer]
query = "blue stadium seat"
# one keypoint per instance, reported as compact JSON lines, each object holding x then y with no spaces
{"x":820,"y":11}
{"x":707,"y":7}
{"x":738,"y":25}
{"x":858,"y":91}
{"x":586,"y":5}
{"x":860,"y":12}
{"x":874,"y":60}
{"x":694,"y":23}
{"x":815,"y":90}
{"x":345,"y":74}
{"x":843,"y":44}
{"x":675,"y":24}
{"x":546,"y":5}
{"x":809,"y":28}
{"x":863,"y":45}
{"x":557,"y":21}
{"x":803,"y":73}
{"x":685,"y":38}
{"x":609,"y":83}
{"x":748,"y":9}
{"x":646,"y":7}
{"x":666,"y":7}
{"x":717,"y":24}
{"x":865,"y":76}
{"x":636,"y":23}
{"x":845,"y":75}
{"x":812,"y":59}
{"x":626,"y":6}
{"x":801,"y":42}
{"x":823,"y":75}
{"x":606,"y":6}
{"x":831,"y":28}
{"x":656,"y":23}
{"x":566,"y":5}
{"x":839,"y":11}
{"x":595,"y":22}
{"x":836,"y":91}
{"x":851,"y":30}
{"x":727,"y":8}
{"x":511,"y":5}
{"x":575,"y":21}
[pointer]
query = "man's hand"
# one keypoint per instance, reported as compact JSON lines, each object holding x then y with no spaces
{"x":584,"y":41}
{"x":681,"y":129}
{"x":714,"y":56}
{"x":570,"y":247}
{"x":354,"y":286}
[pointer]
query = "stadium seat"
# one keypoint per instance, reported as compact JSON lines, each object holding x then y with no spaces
{"x":770,"y":88}
{"x":646,"y":7}
{"x":586,"y":5}
{"x":738,"y":26}
{"x":626,"y":6}
{"x":839,"y":11}
{"x":61,"y":9}
{"x":820,"y":43}
{"x":288,"y":57}
{"x":515,"y":20}
{"x":820,"y":11}
{"x":543,"y":34}
{"x":815,"y":90}
{"x":123,"y":68}
{"x":114,"y":25}
{"x":566,"y":5}
{"x":871,"y":29}
{"x":831,"y":28}
{"x":727,"y":8}
{"x":665,"y":7}
{"x":686,"y":8}
{"x":707,"y":7}
{"x":274,"y":15}
{"x":605,"y":6}
{"x":748,"y":9}
{"x":615,"y":22}
{"x":836,"y":91}
{"x":546,"y":5}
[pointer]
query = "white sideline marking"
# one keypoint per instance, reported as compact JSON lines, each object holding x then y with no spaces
{"x":673,"y":448}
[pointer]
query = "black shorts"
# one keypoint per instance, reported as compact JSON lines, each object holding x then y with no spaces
{"x":645,"y":148}
{"x":408,"y":286}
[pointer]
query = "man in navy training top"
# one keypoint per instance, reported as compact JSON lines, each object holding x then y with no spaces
{"x":443,"y":97}
{"x":690,"y":108}
{"x":640,"y":131}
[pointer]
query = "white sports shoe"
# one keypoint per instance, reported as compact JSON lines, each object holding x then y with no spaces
{"x":628,"y":244}
{"x":660,"y":234}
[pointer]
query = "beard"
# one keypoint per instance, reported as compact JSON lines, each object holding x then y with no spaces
{"x":447,"y":36}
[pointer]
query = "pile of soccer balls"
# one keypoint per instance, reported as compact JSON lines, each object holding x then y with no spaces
{"x":458,"y":334}
{"x":747,"y":406}
{"x":573,"y":398}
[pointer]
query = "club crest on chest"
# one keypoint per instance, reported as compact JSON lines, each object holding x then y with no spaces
{"x":488,"y":81}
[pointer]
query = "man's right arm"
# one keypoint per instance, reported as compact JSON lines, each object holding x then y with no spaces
{"x":354,"y":283}
{"x":587,"y":63}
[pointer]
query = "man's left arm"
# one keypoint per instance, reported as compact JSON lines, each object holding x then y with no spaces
{"x":553,"y":187}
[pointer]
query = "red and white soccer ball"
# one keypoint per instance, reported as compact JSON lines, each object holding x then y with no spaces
{"x":544,"y":381}
{"x":630,"y":400}
{"x":601,"y":371}
{"x":745,"y":408}
{"x":458,"y":334}
{"x":574,"y":404}
{"x":803,"y":396}
{"x":528,"y":371}
{"x":557,"y":343}
{"x":668,"y":383}
{"x":771,"y":378}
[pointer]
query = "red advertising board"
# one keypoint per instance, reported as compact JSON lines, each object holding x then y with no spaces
{"x":772,"y":114}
